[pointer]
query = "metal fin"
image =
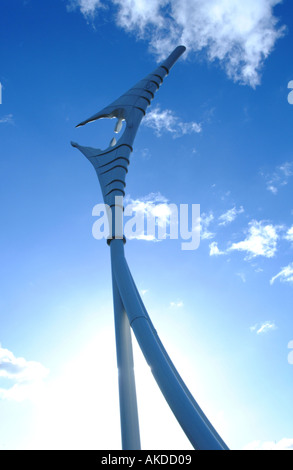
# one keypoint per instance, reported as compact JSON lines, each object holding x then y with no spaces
{"x":140,"y":93}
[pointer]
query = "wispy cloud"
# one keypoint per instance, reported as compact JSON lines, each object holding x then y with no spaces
{"x":242,"y":277}
{"x":279,"y":178}
{"x":261,"y":329}
{"x":289,"y":235}
{"x":214,"y":250}
{"x":205,"y":221}
{"x":178,"y":304}
{"x":239,"y":35}
{"x":167,"y":121}
{"x":87,"y":7}
{"x":285,"y":275}
{"x":8,"y":119}
{"x":23,"y":377}
{"x":153,"y":207}
{"x":283,"y":444}
{"x":261,"y":240}
{"x":230,"y":215}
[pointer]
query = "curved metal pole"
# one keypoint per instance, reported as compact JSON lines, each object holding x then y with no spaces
{"x":130,"y":435}
{"x":195,"y":427}
{"x":179,"y":378}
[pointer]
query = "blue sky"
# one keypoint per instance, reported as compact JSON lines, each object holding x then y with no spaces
{"x":218,"y":134}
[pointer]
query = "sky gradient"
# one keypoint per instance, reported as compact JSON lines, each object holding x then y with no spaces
{"x":218,"y":134}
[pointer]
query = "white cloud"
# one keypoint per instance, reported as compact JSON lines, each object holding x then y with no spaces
{"x":287,"y":169}
{"x":150,"y":198}
{"x":283,"y":444}
{"x":178,"y":304}
{"x":154,"y":209}
{"x":139,"y":15}
{"x":153,"y":203}
{"x":263,"y":328}
{"x":87,"y":7}
{"x":205,"y":221}
{"x":152,"y":218}
{"x":279,"y":178}
{"x":240,"y":35}
{"x":230,"y":215}
{"x":272,"y":188}
{"x":289,"y":235}
{"x":214,"y":250}
{"x":24,"y":378}
{"x":261,"y":240}
{"x":167,"y":121}
{"x":143,"y":236}
{"x":285,"y":275}
{"x":8,"y":119}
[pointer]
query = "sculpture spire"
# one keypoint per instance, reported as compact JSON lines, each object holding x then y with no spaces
{"x":111,"y":166}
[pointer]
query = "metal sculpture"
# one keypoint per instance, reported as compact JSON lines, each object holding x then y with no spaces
{"x":111,"y":166}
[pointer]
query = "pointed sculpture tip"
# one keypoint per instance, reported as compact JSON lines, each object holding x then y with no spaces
{"x":183,"y":48}
{"x":173,"y":57}
{"x":74,"y":144}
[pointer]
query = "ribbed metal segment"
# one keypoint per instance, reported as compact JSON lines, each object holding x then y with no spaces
{"x":111,"y":164}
